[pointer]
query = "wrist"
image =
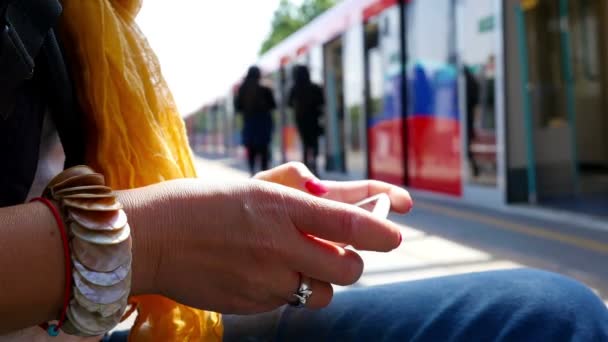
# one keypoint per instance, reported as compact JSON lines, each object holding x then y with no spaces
{"x":144,"y":225}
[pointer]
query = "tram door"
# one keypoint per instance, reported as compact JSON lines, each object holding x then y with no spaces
{"x":334,"y":98}
{"x":566,"y":47}
{"x":383,"y":96}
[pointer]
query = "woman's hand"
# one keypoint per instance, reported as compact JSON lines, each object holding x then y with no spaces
{"x":238,"y":248}
{"x":296,"y":175}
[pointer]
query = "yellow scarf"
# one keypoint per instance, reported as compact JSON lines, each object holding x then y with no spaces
{"x":135,"y":135}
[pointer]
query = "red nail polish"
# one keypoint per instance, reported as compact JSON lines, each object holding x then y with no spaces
{"x":411,"y":206}
{"x":400,"y":239}
{"x":315,"y":187}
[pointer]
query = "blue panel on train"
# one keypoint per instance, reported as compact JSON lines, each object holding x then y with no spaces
{"x":391,"y":102}
{"x":432,"y":91}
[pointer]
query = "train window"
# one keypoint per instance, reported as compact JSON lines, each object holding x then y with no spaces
{"x":547,"y":79}
{"x":386,"y":29}
{"x":428,"y":30}
{"x":316,"y":64}
{"x":375,"y":75}
{"x":371,"y":36}
{"x":476,"y":40}
{"x":354,"y":96}
{"x":585,"y":25}
{"x":549,"y":58}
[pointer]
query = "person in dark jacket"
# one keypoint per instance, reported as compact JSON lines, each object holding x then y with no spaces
{"x":256,"y":103}
{"x":306,"y":98}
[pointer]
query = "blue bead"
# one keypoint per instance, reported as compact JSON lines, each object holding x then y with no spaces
{"x":53,"y":330}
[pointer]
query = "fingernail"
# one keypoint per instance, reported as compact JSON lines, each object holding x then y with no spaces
{"x":411,"y":206}
{"x":400,"y":239}
{"x":315,"y":187}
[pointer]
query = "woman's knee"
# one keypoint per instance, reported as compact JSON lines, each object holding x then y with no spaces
{"x":513,"y":305}
{"x":550,"y":305}
{"x":552,"y":292}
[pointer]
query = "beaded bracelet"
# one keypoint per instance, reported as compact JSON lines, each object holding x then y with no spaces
{"x":99,"y":262}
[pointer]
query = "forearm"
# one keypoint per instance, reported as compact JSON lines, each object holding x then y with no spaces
{"x":32,"y":267}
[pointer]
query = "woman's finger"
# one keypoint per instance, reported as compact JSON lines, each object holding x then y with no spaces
{"x":344,"y":223}
{"x":325,"y":261}
{"x":294,"y":175}
{"x":322,"y":293}
{"x":354,"y":191}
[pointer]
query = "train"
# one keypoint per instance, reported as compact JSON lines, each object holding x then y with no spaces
{"x":492,"y":101}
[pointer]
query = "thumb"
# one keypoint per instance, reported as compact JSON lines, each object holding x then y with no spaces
{"x":294,"y":175}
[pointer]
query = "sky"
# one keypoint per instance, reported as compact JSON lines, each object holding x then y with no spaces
{"x":205,"y":46}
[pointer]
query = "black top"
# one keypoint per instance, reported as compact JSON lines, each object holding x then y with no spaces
{"x":307,"y":101}
{"x":254,"y":99}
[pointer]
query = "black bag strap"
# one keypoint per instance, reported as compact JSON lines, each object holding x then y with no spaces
{"x":24,"y":25}
{"x":34,"y":79}
{"x":26,"y":39}
{"x":65,"y":110}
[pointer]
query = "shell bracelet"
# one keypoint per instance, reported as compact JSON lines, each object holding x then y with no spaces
{"x":100,"y":245}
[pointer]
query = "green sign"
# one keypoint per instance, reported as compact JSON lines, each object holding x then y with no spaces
{"x":486,"y":24}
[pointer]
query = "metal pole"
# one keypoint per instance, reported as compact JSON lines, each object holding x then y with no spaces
{"x":528,"y":115}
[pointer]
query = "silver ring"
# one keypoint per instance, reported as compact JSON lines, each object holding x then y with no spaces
{"x":302,"y":294}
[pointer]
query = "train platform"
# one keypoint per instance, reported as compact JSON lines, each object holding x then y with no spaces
{"x":444,"y":236}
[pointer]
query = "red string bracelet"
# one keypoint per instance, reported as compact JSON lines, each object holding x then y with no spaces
{"x":53,"y":329}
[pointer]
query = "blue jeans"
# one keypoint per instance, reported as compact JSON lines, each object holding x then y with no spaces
{"x":516,"y":305}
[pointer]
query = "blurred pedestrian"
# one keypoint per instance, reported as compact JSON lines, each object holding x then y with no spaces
{"x":306,"y":98}
{"x":256,"y":103}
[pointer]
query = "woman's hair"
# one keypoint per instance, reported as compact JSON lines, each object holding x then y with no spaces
{"x":249,"y":89}
{"x":253,"y":74}
{"x":301,"y":76}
